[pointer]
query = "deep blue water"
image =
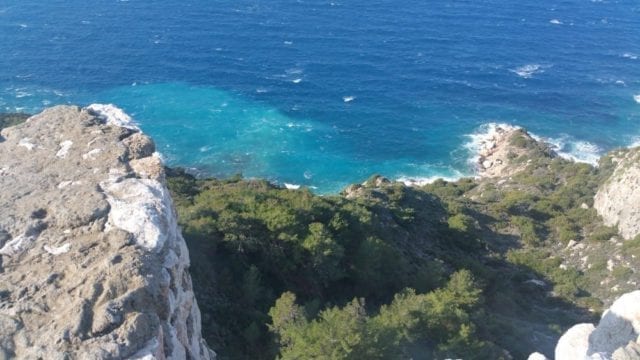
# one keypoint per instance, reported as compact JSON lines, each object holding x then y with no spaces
{"x":261,"y":87}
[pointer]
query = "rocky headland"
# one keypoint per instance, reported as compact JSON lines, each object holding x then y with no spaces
{"x":93,"y":264}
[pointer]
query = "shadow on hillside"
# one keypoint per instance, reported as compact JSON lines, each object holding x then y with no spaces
{"x":520,"y":313}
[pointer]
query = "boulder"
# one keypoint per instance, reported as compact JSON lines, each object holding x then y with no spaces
{"x":93,"y":264}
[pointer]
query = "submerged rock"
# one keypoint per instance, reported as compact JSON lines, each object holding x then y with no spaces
{"x":93,"y":264}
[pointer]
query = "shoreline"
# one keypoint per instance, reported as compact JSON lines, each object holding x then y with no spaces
{"x":486,"y":156}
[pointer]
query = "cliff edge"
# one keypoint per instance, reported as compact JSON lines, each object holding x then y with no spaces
{"x":92,"y":263}
{"x":617,"y":200}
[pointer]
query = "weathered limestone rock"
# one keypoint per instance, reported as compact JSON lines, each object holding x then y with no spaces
{"x":537,"y":356}
{"x":574,"y":344}
{"x":617,"y":336}
{"x":500,"y":145}
{"x":618,"y":200}
{"x":92,"y":262}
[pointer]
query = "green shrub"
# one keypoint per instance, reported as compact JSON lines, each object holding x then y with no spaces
{"x":462,"y":223}
{"x":527,"y":229}
{"x":603,"y":233}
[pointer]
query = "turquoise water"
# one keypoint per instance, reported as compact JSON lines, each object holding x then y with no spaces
{"x":323,"y":94}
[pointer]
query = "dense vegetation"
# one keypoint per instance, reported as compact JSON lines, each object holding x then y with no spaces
{"x":463,"y":269}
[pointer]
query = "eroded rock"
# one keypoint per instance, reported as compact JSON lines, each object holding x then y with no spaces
{"x":618,"y":200}
{"x":93,"y":263}
{"x":616,"y":337}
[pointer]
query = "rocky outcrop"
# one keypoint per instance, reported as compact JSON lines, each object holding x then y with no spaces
{"x":505,"y":150}
{"x":93,"y":264}
{"x":617,"y":336}
{"x":618,"y":200}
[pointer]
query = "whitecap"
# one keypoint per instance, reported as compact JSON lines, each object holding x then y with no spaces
{"x":291,"y":186}
{"x":571,"y":149}
{"x":261,"y":90}
{"x":113,"y":115}
{"x":24,"y":26}
{"x":348,"y":98}
{"x":307,"y":175}
{"x":555,"y":22}
{"x":630,"y":56}
{"x":421,"y":181}
{"x":296,"y":81}
{"x":527,"y":71}
{"x":294,"y":71}
{"x":620,"y":82}
{"x":636,"y":98}
{"x":288,"y":42}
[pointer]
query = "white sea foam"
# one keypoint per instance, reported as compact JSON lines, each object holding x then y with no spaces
{"x":555,"y":22}
{"x":572,"y":149}
{"x":348,"y":98}
{"x":421,"y":181}
{"x":528,"y":70}
{"x":630,"y":56}
{"x":637,"y":98}
{"x":296,"y":81}
{"x":288,"y":42}
{"x":113,"y":115}
{"x":291,"y":186}
{"x":294,"y":71}
{"x":484,"y":137}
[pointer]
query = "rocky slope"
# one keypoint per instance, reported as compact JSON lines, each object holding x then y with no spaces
{"x":617,"y":200}
{"x":92,"y":262}
{"x":501,"y":148}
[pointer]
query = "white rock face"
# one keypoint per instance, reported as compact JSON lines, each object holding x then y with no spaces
{"x":618,"y":200}
{"x":92,"y":263}
{"x":143,"y":208}
{"x":537,"y":356}
{"x":574,"y":344}
{"x":616,"y":337}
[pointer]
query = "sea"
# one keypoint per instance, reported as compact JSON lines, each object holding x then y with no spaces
{"x":325,"y":93}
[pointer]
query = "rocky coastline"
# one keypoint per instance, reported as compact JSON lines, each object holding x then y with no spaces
{"x":93,"y":263}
